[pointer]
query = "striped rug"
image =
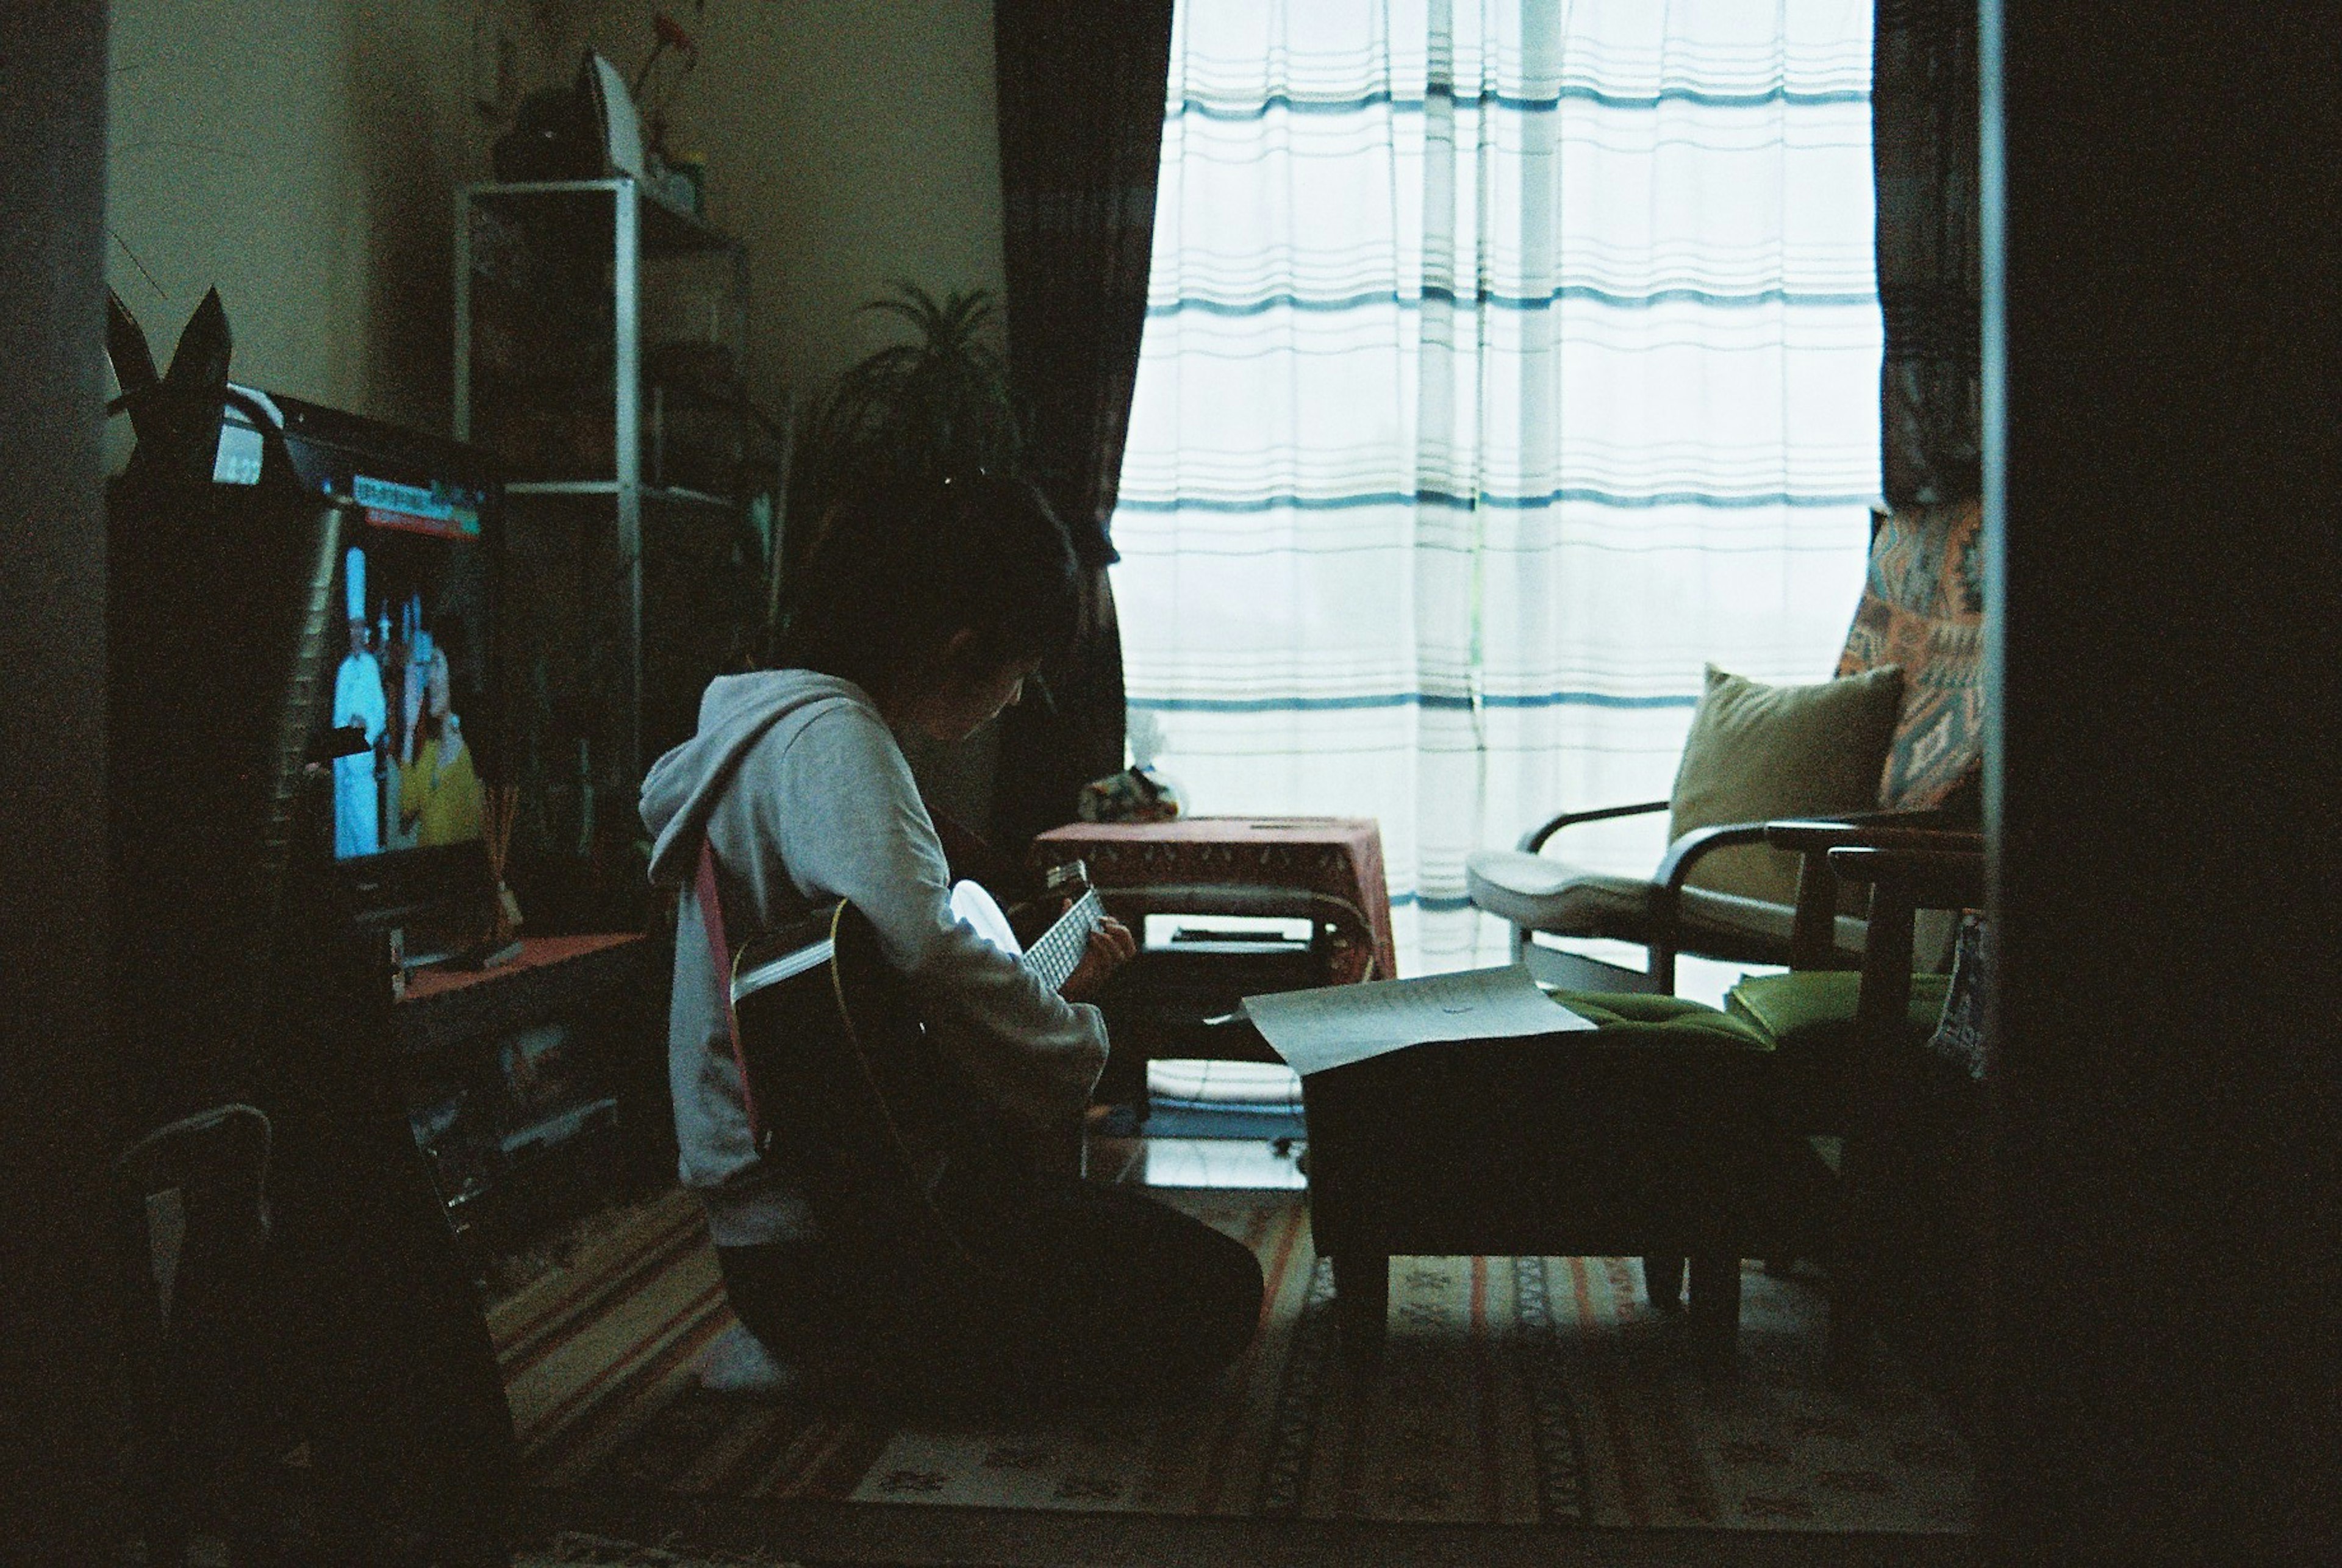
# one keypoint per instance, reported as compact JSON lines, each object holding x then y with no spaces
{"x":1530,"y":1391}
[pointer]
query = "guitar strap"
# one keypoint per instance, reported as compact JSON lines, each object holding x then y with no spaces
{"x":711,"y":919}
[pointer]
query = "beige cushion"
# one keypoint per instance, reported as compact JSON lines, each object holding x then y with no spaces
{"x":1543,"y":894}
{"x":1758,"y":751}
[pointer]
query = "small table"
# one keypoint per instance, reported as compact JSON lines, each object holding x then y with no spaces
{"x":1155,"y":1008}
{"x":1337,"y":856}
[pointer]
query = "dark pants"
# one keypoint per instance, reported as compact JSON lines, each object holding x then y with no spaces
{"x":1085,"y":1295}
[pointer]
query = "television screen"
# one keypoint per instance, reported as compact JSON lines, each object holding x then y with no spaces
{"x":408,"y":656}
{"x":411,"y":668}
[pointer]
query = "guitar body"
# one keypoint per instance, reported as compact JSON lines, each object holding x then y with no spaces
{"x":855,"y":1090}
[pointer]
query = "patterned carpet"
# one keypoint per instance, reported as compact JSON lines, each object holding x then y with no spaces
{"x":578,"y":1549}
{"x":1513,"y":1391}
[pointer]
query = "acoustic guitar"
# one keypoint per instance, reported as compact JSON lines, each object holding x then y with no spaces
{"x":847,"y":1082}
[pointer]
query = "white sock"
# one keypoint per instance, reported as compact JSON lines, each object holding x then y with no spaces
{"x":736,"y":1362}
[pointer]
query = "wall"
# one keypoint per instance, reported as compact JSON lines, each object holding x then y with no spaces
{"x":848,"y":142}
{"x":61,"y":1391}
{"x":303,"y":158}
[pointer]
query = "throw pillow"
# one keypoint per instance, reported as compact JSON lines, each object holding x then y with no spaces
{"x":1758,"y":751}
{"x":1923,"y":609}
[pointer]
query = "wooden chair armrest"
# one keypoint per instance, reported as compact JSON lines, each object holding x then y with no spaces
{"x":1928,"y":878}
{"x":1534,"y":840}
{"x":1949,"y":819}
{"x":1668,"y":884}
{"x":1879,"y":830}
{"x":1699,"y":842}
{"x":1813,"y":934}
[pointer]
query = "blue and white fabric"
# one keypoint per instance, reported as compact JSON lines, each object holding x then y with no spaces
{"x":1502,"y":363}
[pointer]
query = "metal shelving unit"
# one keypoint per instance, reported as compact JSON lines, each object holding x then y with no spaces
{"x":610,"y":234}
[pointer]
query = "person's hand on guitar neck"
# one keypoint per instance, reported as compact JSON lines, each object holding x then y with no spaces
{"x":1111,"y":946}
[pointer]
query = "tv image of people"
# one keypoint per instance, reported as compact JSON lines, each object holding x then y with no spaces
{"x":439,"y":790}
{"x":402,"y":680}
{"x":359,"y":701}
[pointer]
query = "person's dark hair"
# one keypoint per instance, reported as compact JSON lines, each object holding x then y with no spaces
{"x":900,"y":567}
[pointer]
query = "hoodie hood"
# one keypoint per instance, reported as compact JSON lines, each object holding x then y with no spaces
{"x":683,"y":786}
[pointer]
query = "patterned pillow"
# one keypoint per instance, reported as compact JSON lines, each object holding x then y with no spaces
{"x":1923,"y":609}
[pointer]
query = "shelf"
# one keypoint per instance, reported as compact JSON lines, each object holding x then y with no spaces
{"x":670,"y":494}
{"x":550,"y":1132}
{"x":525,"y":1084}
{"x":554,"y":976}
{"x":579,"y":203}
{"x":677,"y":495}
{"x":571,"y":258}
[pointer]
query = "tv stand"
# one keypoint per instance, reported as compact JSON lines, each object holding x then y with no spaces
{"x":486,"y":953}
{"x":537,"y":1087}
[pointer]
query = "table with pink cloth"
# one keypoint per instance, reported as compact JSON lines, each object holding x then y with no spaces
{"x":1340,"y":857}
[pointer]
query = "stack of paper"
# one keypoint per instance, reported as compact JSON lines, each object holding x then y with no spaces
{"x":1315,"y":1030}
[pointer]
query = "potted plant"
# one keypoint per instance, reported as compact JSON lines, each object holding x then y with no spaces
{"x":938,"y":403}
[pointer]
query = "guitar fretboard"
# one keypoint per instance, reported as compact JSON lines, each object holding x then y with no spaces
{"x":1058,"y":952}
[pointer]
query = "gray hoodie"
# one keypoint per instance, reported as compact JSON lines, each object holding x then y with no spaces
{"x":798,"y":786}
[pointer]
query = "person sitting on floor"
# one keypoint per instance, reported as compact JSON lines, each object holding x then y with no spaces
{"x":922,"y":609}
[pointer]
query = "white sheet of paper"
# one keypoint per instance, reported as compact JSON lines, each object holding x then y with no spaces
{"x":1334,"y":1024}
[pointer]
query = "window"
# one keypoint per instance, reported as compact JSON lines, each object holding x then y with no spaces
{"x":1502,"y":366}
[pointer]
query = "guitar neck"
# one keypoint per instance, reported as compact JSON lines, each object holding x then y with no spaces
{"x":1058,"y":952}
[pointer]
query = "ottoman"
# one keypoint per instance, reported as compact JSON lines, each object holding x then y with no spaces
{"x":1649,"y":1135}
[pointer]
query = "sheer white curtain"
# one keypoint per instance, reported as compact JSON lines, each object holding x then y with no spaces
{"x":1502,"y":363}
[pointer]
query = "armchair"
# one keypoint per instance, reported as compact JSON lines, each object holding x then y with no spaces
{"x":1838,"y":1037}
{"x":1907,"y":1233}
{"x":1812,"y":1014}
{"x":1921,"y":613}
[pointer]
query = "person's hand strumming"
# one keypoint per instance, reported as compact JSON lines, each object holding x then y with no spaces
{"x":1111,"y":946}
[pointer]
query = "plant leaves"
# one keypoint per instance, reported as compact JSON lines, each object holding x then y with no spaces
{"x":938,"y":403}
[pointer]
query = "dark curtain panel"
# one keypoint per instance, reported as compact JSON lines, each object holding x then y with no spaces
{"x":1081,"y":85}
{"x":1924,"y":139}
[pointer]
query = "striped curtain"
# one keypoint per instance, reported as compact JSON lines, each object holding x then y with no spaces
{"x":1501,"y":364}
